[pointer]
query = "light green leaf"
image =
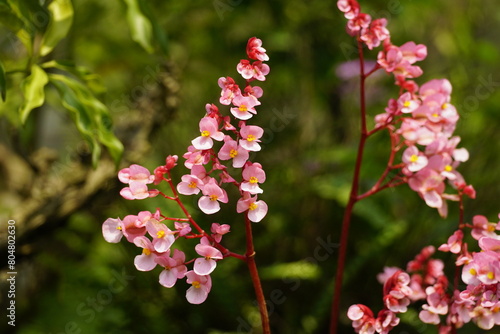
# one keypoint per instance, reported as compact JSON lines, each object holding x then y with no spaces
{"x":33,"y":90}
{"x":92,"y":80}
{"x":140,"y":26}
{"x":91,"y":117}
{"x":3,"y":82}
{"x":61,"y":18}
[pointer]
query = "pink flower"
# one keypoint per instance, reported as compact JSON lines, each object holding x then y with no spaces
{"x":173,"y":267}
{"x":376,"y":33}
{"x":436,"y":305}
{"x":407,"y":104}
{"x":229,"y":90}
{"x":484,"y":268}
{"x":244,"y":107}
{"x":256,"y":70}
{"x":257,"y":210}
{"x":219,"y":230}
{"x":137,"y":177}
{"x":429,"y":184}
{"x":413,"y":52}
{"x":200,"y":287}
{"x":206,"y":264}
{"x":213,"y":194}
{"x":250,"y":137}
{"x":134,"y":226}
{"x":231,"y":150}
{"x":182,"y":228}
{"x":196,"y":157}
{"x":112,"y":230}
{"x":386,"y":321}
{"x":414,"y":159}
{"x":255,"y":50}
{"x":350,"y":8}
{"x":163,"y":237}
{"x":482,"y":227}
{"x":145,"y":261}
{"x":190,"y":185}
{"x":359,"y":22}
{"x":454,"y":244}
{"x":209,"y":130}
{"x":362,"y":319}
{"x":253,"y":174}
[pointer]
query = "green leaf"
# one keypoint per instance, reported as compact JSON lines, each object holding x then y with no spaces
{"x":33,"y":90}
{"x":3,"y":82}
{"x":91,"y":117}
{"x":61,"y":18}
{"x":92,"y":80}
{"x":140,"y":26}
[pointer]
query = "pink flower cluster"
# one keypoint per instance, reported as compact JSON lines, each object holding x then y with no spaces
{"x":396,"y":298}
{"x":239,"y":140}
{"x":153,"y":233}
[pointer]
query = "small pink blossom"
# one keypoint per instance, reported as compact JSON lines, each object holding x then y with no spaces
{"x":454,"y":244}
{"x":229,"y":90}
{"x":173,"y":267}
{"x":213,"y":194}
{"x":350,"y":8}
{"x":219,"y":230}
{"x":135,"y":173}
{"x":255,"y":50}
{"x":257,"y":210}
{"x":200,"y":287}
{"x":146,"y":260}
{"x":231,"y":150}
{"x":209,"y":130}
{"x":163,"y":237}
{"x":190,"y":185}
{"x":414,"y":159}
{"x":482,"y":227}
{"x":253,"y":174}
{"x":195,"y":157}
{"x":250,"y":137}
{"x":429,"y":184}
{"x":244,"y":107}
{"x":182,"y":228}
{"x":206,"y":264}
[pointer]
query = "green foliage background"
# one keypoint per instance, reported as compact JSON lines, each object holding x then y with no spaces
{"x":310,"y":115}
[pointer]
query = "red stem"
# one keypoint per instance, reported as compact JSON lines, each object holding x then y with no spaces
{"x":353,"y":198}
{"x":254,"y":274}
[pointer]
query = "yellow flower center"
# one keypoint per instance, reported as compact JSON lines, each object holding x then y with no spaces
{"x":406,"y":104}
{"x":213,"y":197}
{"x":146,"y":251}
{"x":435,"y":115}
{"x":233,"y":153}
{"x":252,"y":206}
{"x":473,"y":271}
{"x":119,"y":228}
{"x":205,"y":133}
{"x":448,"y":168}
{"x":414,"y":158}
{"x":192,"y":184}
{"x":196,"y":284}
{"x":243,"y":108}
{"x":491,"y":275}
{"x":160,"y":234}
{"x":444,"y":106}
{"x":490,"y":228}
{"x":253,"y":180}
{"x":251,"y":138}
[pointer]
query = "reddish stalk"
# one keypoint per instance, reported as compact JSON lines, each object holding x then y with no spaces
{"x":254,"y":274}
{"x":353,"y":198}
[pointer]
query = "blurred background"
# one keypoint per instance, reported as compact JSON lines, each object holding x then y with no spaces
{"x":154,"y":85}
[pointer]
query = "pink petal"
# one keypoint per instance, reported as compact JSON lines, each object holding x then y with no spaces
{"x":111,"y":230}
{"x":208,"y":206}
{"x":145,"y":262}
{"x":196,"y":295}
{"x":168,"y":278}
{"x":203,"y":266}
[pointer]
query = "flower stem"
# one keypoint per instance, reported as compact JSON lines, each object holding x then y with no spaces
{"x":353,"y":198}
{"x":254,"y":274}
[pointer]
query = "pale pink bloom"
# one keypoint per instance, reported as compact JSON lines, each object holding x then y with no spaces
{"x":253,"y":174}
{"x":173,"y":267}
{"x":350,"y":8}
{"x":429,"y":185}
{"x":190,"y":185}
{"x":484,"y":268}
{"x":260,"y":70}
{"x":135,"y":173}
{"x":229,"y":90}
{"x":441,"y":86}
{"x":414,"y":159}
{"x":483,"y":318}
{"x":454,"y":243}
{"x":163,"y":237}
{"x":413,"y":52}
{"x":386,"y":321}
{"x":482,"y":227}
{"x":250,"y":137}
{"x":246,"y":69}
{"x":134,"y":226}
{"x":200,"y":287}
{"x":390,"y":58}
{"x":209,"y":130}
{"x":362,"y":319}
{"x":255,"y":50}
{"x":213,"y":194}
{"x":112,"y":230}
{"x":359,"y":22}
{"x":254,"y":91}
{"x":145,"y":261}
{"x":437,"y":304}
{"x":257,"y":210}
{"x":490,"y":244}
{"x":386,"y":274}
{"x":138,"y":190}
{"x":182,"y":228}
{"x":407,"y":103}
{"x":206,"y":264}
{"x":376,"y":33}
{"x":195,"y":157}
{"x":244,"y":107}
{"x":396,"y":301}
{"x":219,"y":230}
{"x":231,"y":150}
